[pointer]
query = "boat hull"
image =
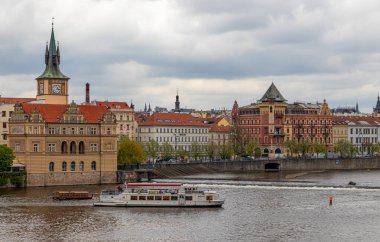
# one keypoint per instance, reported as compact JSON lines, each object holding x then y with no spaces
{"x":113,"y":204}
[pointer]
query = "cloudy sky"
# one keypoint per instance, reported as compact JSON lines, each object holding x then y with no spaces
{"x":213,"y":51}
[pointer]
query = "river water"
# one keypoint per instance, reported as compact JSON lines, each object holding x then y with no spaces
{"x":294,"y":207}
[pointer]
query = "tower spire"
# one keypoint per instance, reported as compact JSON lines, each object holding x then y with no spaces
{"x":52,"y":59}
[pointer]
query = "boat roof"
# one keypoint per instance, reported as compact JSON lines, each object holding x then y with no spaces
{"x":154,"y":184}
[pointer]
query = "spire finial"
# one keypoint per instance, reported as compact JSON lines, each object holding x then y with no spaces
{"x":52,"y":22}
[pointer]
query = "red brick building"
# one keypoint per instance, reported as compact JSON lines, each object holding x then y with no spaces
{"x":271,"y":121}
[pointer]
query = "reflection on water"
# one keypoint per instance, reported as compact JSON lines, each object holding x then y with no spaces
{"x":250,"y":213}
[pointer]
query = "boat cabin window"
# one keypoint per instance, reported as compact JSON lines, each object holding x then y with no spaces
{"x":189,"y":198}
{"x":142,"y":198}
{"x":150,"y":197}
{"x":208,"y":198}
{"x":166,"y":198}
{"x":133,"y":197}
{"x":174,"y":198}
{"x":157,"y":197}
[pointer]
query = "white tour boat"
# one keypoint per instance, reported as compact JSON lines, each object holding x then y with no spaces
{"x":159,"y":195}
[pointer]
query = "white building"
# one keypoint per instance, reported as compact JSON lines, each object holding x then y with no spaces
{"x":363,"y":131}
{"x":177,"y":129}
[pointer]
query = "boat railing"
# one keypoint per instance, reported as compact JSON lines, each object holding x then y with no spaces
{"x":111,"y":192}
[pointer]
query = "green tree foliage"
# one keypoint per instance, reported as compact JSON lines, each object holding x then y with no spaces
{"x":6,"y":157}
{"x":252,"y":149}
{"x":237,"y":141}
{"x":167,"y":151}
{"x":152,"y":148}
{"x":319,"y":148}
{"x":303,"y":147}
{"x":291,"y":145}
{"x":195,"y":151}
{"x":182,"y":153}
{"x":211,"y":150}
{"x":129,"y":151}
{"x":345,"y":148}
{"x":226,"y":151}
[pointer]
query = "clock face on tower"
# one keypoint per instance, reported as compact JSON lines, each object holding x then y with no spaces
{"x":56,"y":88}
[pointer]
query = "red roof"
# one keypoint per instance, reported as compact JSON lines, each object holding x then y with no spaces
{"x":113,"y":104}
{"x":172,"y":119}
{"x":356,"y":120}
{"x":14,"y":100}
{"x":50,"y":112}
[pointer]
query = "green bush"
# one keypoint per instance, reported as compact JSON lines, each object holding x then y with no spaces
{"x":3,"y":180}
{"x":17,"y":180}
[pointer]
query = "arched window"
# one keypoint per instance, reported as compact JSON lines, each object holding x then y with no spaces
{"x":73,"y":147}
{"x":51,"y":166}
{"x":72,"y":166}
{"x":81,"y":147}
{"x":64,"y":165}
{"x":81,"y":166}
{"x":93,"y":165}
{"x":64,"y":147}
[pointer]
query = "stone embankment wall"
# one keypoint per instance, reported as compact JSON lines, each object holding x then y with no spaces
{"x":177,"y":170}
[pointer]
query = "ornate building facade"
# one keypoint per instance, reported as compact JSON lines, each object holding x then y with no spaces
{"x":271,"y":121}
{"x":61,"y":143}
{"x":64,"y":144}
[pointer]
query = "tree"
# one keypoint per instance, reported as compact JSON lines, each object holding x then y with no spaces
{"x":319,"y":148}
{"x":195,"y":150}
{"x":303,"y":147}
{"x":345,"y":148}
{"x":167,"y":151}
{"x":129,"y":151}
{"x":226,"y":151}
{"x":252,"y":149}
{"x":211,"y":150}
{"x":182,"y":153}
{"x":152,"y":148}
{"x":291,"y":146}
{"x":6,"y":157}
{"x":237,"y":141}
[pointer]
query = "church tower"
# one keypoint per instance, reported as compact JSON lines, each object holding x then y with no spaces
{"x":177,"y":103}
{"x":52,"y":85}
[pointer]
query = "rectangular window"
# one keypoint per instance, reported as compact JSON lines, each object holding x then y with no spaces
{"x":35,"y":131}
{"x":10,"y":113}
{"x":93,"y":147}
{"x":72,"y":130}
{"x":51,"y":147}
{"x":92,"y":130}
{"x":35,"y":147}
{"x":63,"y":130}
{"x":51,"y":131}
{"x":17,"y":147}
{"x":81,"y":131}
{"x":4,"y":125}
{"x":4,"y":113}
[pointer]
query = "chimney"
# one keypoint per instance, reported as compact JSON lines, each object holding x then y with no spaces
{"x":87,"y":92}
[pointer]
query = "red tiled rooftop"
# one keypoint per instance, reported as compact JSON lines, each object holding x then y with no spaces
{"x":50,"y":112}
{"x":172,"y":119}
{"x":113,"y":104}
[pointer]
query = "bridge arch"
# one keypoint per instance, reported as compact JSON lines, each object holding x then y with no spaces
{"x":272,"y":166}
